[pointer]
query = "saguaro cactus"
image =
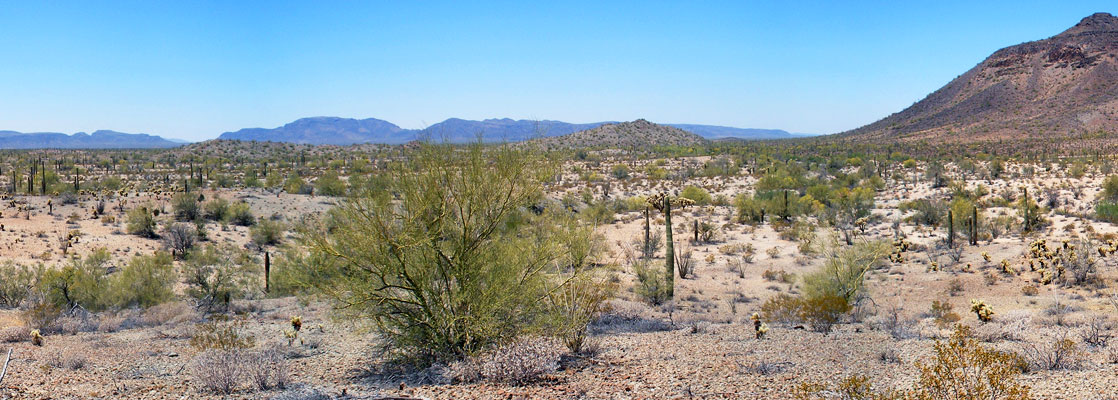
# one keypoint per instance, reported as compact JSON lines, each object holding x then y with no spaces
{"x":974,"y":226}
{"x":647,"y":235}
{"x":663,"y":202}
{"x":950,"y":229}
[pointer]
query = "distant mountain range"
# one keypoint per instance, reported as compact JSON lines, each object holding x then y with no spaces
{"x":97,"y":140}
{"x":343,"y":131}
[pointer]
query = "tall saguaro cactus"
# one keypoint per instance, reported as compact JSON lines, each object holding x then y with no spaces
{"x":974,"y":226}
{"x":950,"y":229}
{"x":663,"y":202}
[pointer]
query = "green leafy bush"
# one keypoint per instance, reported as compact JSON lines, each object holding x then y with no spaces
{"x":16,"y":282}
{"x":455,"y":263}
{"x":697,"y":194}
{"x":81,"y":282}
{"x":146,"y":281}
{"x":141,"y":222}
{"x":185,"y":206}
{"x":217,"y":209}
{"x":1106,"y":211}
{"x":329,"y":185}
{"x":843,"y":272}
{"x":267,"y":233}
{"x":217,"y":275}
{"x":652,"y":284}
{"x":241,"y":214}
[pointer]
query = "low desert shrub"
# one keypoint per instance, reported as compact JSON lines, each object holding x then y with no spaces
{"x":218,"y":371}
{"x":1096,"y":330}
{"x":822,"y":312}
{"x":16,"y":281}
{"x":179,"y":238}
{"x":266,"y":369}
{"x":523,"y":361}
{"x":943,"y":314}
{"x":14,"y":334}
{"x":267,"y":233}
{"x":221,"y":334}
{"x":217,"y":275}
{"x":961,"y":368}
{"x":574,"y":306}
{"x":39,"y":314}
{"x":216,"y":209}
{"x":146,"y":281}
{"x":1055,"y":351}
{"x":168,"y":313}
{"x":652,"y":284}
{"x":185,"y":207}
{"x":141,"y":222}
{"x":241,"y":214}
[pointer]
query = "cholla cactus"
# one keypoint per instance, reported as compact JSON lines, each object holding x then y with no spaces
{"x":1006,"y":269}
{"x":934,"y":266}
{"x":1045,"y":276}
{"x":985,"y":256}
{"x":36,"y":338}
{"x":291,"y":335}
{"x":759,"y":328}
{"x":982,"y":310}
{"x":297,"y":323}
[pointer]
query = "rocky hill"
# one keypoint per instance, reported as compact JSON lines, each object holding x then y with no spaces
{"x":1066,"y":85}
{"x":625,"y":135}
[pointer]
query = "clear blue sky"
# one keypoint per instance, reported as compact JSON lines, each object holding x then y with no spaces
{"x":194,"y":69}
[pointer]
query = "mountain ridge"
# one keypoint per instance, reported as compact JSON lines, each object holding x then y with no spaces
{"x":1062,"y":86}
{"x":100,"y":139}
{"x":457,"y":130}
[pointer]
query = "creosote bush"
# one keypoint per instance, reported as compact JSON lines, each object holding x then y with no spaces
{"x":267,"y":233}
{"x":141,"y":222}
{"x":216,"y":275}
{"x":241,"y":214}
{"x":963,"y":369}
{"x":652,"y":285}
{"x":831,"y":291}
{"x":185,"y":207}
{"x":960,"y":369}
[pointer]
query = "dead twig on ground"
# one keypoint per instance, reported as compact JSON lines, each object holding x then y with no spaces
{"x":5,"y":370}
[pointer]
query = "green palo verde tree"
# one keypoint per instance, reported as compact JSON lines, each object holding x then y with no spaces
{"x":664,"y":203}
{"x":449,"y":258}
